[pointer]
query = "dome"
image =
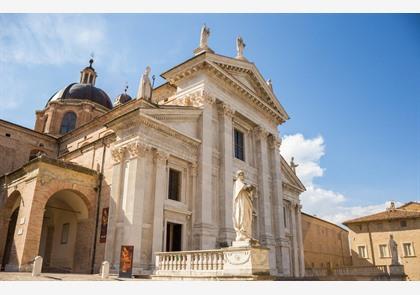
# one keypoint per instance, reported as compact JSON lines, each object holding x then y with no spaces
{"x":122,"y":98}
{"x":83,"y":92}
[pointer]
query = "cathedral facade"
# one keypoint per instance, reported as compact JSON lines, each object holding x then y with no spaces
{"x":154,"y":172}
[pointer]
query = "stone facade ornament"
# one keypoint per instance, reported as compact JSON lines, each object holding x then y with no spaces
{"x":275,"y":142}
{"x":161,"y":155}
{"x":243,"y":195}
{"x":260,"y":132}
{"x":145,"y":87}
{"x":137,"y":149}
{"x":226,"y":109}
{"x":118,"y":154}
{"x":240,"y":46}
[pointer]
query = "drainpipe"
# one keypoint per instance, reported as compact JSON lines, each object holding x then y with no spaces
{"x":371,"y":245}
{"x":98,"y":203}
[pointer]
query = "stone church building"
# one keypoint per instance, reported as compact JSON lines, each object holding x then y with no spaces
{"x":155,"y":171}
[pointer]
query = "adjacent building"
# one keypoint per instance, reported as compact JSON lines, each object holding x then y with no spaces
{"x":326,"y":245}
{"x":154,"y":172}
{"x":373,"y":238}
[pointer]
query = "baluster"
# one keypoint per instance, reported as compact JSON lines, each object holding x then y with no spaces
{"x":195,"y":261}
{"x":200,"y":261}
{"x":220,"y":261}
{"x":176,"y":262}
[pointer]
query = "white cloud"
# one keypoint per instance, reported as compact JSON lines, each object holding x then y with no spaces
{"x":324,"y":203}
{"x":50,"y":39}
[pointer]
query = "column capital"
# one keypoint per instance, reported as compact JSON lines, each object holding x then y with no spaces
{"x":137,"y":149}
{"x":275,"y":141}
{"x":161,"y":155}
{"x":226,"y":109}
{"x":208,"y":98}
{"x":118,"y":154}
{"x":193,"y":167}
{"x":260,"y":132}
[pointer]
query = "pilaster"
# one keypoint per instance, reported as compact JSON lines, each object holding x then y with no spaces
{"x":161,"y":186}
{"x":133,"y":206}
{"x":226,"y":231}
{"x":204,"y":224}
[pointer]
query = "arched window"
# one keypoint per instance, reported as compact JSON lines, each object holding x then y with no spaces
{"x":68,"y":123}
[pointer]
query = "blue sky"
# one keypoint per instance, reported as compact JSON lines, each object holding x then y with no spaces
{"x":350,"y":83}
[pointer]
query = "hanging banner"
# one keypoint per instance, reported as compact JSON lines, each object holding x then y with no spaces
{"x":126,"y":261}
{"x":104,"y":225}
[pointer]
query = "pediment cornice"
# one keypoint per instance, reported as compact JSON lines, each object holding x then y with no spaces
{"x":215,"y":65}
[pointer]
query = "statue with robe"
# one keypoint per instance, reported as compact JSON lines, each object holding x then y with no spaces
{"x":145,"y":87}
{"x":242,"y":208}
{"x":240,"y":46}
{"x":204,"y":36}
{"x":393,"y":248}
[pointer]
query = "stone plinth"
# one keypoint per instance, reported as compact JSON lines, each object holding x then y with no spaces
{"x":246,"y":261}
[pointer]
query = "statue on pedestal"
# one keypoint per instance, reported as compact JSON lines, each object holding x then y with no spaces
{"x":243,"y":195}
{"x":145,"y":87}
{"x":393,"y":248}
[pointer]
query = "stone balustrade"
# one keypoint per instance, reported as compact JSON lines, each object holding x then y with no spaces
{"x":245,"y":262}
{"x":361,"y":270}
{"x":188,"y":263}
{"x":370,"y":271}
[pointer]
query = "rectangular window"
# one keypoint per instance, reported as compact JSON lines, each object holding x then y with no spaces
{"x":408,"y":249}
{"x":65,"y":233}
{"x":239,"y":145}
{"x":174,"y":185}
{"x":403,"y":223}
{"x":173,"y":236}
{"x":383,"y":250}
{"x":362,"y":251}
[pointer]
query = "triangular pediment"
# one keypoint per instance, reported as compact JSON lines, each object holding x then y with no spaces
{"x":241,"y":74}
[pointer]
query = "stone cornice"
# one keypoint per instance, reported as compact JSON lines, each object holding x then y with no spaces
{"x":203,"y":63}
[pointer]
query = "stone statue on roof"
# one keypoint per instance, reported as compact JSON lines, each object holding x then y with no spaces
{"x":240,"y":46}
{"x":145,"y":87}
{"x":204,"y":36}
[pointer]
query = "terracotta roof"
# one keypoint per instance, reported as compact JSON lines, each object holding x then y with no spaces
{"x":397,"y":213}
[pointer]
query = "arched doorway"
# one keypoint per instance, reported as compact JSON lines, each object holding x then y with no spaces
{"x":67,"y":232}
{"x":12,"y":212}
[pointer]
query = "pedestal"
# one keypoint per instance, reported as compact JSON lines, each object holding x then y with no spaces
{"x":246,"y":260}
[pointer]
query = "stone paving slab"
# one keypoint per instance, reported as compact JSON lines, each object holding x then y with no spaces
{"x":26,"y":276}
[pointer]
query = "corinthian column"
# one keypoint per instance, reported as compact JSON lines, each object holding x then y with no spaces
{"x":133,"y":204}
{"x":226,"y":231}
{"x":161,"y":186}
